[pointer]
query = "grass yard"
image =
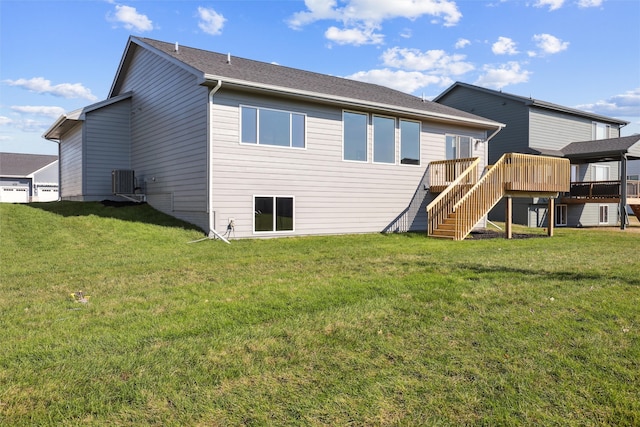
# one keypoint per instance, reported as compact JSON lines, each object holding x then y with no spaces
{"x":361,"y":330}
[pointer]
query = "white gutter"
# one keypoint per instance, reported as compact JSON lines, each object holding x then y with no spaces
{"x":212,"y":230}
{"x":355,"y":102}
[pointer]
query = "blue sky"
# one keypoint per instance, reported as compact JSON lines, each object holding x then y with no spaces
{"x":57,"y":56}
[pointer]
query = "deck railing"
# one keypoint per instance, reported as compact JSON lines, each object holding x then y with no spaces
{"x":442,"y":206}
{"x":443,"y":172}
{"x":603,"y":189}
{"x":513,"y":173}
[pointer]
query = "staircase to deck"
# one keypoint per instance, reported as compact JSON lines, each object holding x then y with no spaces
{"x":636,"y":210}
{"x":455,"y":212}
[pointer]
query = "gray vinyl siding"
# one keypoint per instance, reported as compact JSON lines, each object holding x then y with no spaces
{"x":552,"y":130}
{"x":614,"y":171}
{"x":107,"y":147}
{"x":169,"y":134}
{"x":71,"y":164}
{"x":331,"y":196}
{"x":514,"y":137}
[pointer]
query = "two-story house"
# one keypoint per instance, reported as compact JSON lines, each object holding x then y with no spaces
{"x":591,"y":142}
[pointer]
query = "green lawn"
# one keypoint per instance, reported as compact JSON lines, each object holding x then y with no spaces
{"x":320,"y":331}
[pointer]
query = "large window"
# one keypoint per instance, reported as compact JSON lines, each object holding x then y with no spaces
{"x":272,"y":213}
{"x":409,"y":142}
{"x":354,"y":136}
{"x":458,"y":147}
{"x":272,"y":127}
{"x":384,"y":140}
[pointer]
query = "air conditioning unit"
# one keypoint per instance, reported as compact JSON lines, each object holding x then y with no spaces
{"x":123,"y":181}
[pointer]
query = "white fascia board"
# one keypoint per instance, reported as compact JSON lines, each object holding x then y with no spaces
{"x":317,"y":96}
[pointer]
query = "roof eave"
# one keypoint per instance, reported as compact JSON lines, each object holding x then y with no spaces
{"x":351,"y":102}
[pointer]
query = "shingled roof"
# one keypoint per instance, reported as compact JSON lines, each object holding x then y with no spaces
{"x":212,"y":66}
{"x":604,"y":149}
{"x":21,"y":165}
{"x":532,"y":102}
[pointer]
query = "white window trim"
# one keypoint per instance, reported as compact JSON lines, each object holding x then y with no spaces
{"x":274,"y":231}
{"x":400,"y":120}
{"x":257,"y":144}
{"x":600,"y":207}
{"x":395,"y":140}
{"x":369,"y":131}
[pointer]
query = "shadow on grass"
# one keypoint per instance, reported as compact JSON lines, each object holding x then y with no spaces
{"x":563,"y":276}
{"x":125,"y":211}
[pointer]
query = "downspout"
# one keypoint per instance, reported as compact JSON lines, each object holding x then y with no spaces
{"x":212,"y":231}
{"x":59,"y":172}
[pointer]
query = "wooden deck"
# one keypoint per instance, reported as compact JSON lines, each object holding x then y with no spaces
{"x":602,"y":192}
{"x":466,"y":199}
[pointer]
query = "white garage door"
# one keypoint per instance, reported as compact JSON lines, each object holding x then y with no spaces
{"x":47,"y":194}
{"x":14,"y":194}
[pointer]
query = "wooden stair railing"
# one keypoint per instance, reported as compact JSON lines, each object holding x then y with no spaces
{"x":441,"y":208}
{"x":512,"y":173}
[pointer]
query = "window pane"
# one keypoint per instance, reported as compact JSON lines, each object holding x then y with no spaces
{"x":297,"y":130}
{"x":355,"y":136}
{"x":601,"y":173}
{"x":465,"y":147}
{"x":384,"y":140}
{"x":284,"y":217}
{"x":450,"y":147}
{"x":274,"y":128}
{"x":409,"y":143}
{"x":249,"y":125}
{"x":263,"y":215}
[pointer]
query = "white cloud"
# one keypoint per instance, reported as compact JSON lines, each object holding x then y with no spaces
{"x":405,"y":81}
{"x":434,"y":61}
{"x":503,"y":75}
{"x":4,"y":121}
{"x":625,"y":105}
{"x":504,"y":46}
{"x":65,"y":90}
{"x":354,"y":36}
{"x":53,"y":112}
{"x":462,"y":43}
{"x":130,"y":18}
{"x":406,"y":33}
{"x":211,"y":22}
{"x":375,"y":11}
{"x":357,"y":16}
{"x":589,"y":3}
{"x":553,"y":4}
{"x":549,"y":44}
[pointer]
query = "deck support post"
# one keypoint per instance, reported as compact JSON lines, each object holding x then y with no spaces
{"x":551,"y":216}
{"x":624,"y":217}
{"x":507,"y":217}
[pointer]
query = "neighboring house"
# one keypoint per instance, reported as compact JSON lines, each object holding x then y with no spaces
{"x":28,"y":178}
{"x":542,"y":128}
{"x":256,"y":149}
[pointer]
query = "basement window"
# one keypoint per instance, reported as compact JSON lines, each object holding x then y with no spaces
{"x":273,"y":214}
{"x":604,"y":214}
{"x":561,"y":215}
